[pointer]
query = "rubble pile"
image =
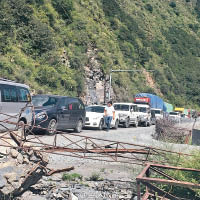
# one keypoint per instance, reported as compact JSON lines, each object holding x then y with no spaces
{"x":20,"y":166}
{"x":19,"y":170}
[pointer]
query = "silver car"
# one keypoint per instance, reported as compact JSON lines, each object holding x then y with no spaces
{"x":15,"y":105}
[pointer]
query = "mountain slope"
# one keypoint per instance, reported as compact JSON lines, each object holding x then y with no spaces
{"x":45,"y":43}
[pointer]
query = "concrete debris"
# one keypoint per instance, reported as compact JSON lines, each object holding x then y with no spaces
{"x":72,"y":197}
{"x":18,"y":172}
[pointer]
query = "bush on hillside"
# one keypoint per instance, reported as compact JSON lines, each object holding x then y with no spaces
{"x":149,"y":7}
{"x":172,"y":4}
{"x":64,"y":8}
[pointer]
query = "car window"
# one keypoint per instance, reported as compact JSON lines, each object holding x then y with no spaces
{"x":24,"y":95}
{"x":134,"y":108}
{"x":98,"y":109}
{"x":39,"y":101}
{"x":76,"y":104}
{"x":9,"y":94}
{"x":64,"y":103}
{"x":143,"y":109}
{"x":121,"y":107}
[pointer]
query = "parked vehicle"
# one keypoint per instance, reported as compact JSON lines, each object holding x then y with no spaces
{"x":95,"y":118}
{"x":128,"y":114}
{"x":144,"y":110}
{"x":15,"y":105}
{"x":153,"y":101}
{"x":175,"y":116}
{"x":158,"y":113}
{"x":58,"y":113}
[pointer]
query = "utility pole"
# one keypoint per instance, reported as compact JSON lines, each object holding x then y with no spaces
{"x":121,"y":70}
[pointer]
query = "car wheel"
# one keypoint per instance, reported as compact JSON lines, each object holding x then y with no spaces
{"x":52,"y":127}
{"x":116,"y":124}
{"x":79,"y":126}
{"x":101,"y":124}
{"x":127,"y":123}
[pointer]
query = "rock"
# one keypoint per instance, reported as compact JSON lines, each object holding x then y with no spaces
{"x":20,"y":158}
{"x":11,"y":177}
{"x":72,"y":197}
{"x":2,"y":182}
{"x":3,"y":150}
{"x":14,"y":153}
{"x":26,"y":161}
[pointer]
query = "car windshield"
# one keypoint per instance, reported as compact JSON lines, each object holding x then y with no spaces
{"x":142,"y":109}
{"x":98,"y":109}
{"x":121,"y":107}
{"x":157,"y":111}
{"x":173,"y":113}
{"x":39,"y":101}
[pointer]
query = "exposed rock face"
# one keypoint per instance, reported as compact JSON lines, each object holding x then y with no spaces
{"x":95,"y":79}
{"x":97,"y":83}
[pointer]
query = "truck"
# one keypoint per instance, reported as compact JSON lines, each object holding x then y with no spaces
{"x":148,"y":103}
{"x":144,"y":117}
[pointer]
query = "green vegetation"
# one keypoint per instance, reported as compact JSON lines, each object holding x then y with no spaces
{"x":192,"y":177}
{"x":44,"y":43}
{"x":95,"y":177}
{"x":72,"y":177}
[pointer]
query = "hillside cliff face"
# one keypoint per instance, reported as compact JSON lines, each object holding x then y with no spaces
{"x":69,"y":47}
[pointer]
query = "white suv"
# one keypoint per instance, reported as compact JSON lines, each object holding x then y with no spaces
{"x":128,"y":114}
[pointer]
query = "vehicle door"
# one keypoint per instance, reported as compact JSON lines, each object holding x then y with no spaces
{"x":75,"y":112}
{"x":82,"y":112}
{"x":24,"y":104}
{"x":9,"y":107}
{"x":132,"y":114}
{"x":64,"y":113}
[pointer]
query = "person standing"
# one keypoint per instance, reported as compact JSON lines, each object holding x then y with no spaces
{"x":109,"y":113}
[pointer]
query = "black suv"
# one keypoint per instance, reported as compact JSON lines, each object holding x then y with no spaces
{"x":58,"y":113}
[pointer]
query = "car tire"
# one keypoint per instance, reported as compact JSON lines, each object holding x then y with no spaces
{"x":79,"y":126}
{"x":52,"y":127}
{"x":127,"y":123}
{"x":116,"y":124}
{"x":101,"y":123}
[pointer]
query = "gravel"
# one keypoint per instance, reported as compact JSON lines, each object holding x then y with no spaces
{"x":118,"y":178}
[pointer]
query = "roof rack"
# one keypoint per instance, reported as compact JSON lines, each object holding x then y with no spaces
{"x":4,"y":79}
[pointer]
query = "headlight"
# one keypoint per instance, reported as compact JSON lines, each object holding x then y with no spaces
{"x":41,"y":115}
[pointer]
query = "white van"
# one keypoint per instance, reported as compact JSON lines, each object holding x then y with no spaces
{"x":15,"y":105}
